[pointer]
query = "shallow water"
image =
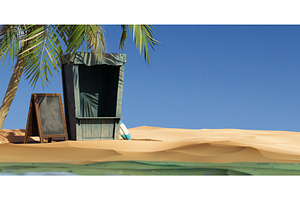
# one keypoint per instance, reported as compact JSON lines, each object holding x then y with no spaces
{"x":40,"y":174}
{"x":148,"y":168}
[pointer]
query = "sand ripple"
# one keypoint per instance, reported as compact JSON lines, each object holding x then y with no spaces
{"x":160,"y":144}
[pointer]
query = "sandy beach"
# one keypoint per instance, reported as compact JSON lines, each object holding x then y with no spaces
{"x":159,"y":144}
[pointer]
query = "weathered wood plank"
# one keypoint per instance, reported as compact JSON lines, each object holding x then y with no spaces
{"x":120,"y":91}
{"x":88,"y":128}
{"x":106,"y":128}
{"x":111,"y":128}
{"x":116,"y":129}
{"x":78,"y":132}
{"x":96,"y":133}
{"x":69,"y":103}
{"x":77,"y":101}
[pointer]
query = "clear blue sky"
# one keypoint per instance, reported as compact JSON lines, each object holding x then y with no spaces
{"x":245,"y":77}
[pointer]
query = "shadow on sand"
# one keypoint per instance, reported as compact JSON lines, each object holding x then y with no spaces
{"x":18,"y":136}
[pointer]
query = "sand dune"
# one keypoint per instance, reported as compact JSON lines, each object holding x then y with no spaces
{"x":160,"y":144}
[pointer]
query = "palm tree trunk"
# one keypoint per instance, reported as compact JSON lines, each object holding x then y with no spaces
{"x":11,"y":91}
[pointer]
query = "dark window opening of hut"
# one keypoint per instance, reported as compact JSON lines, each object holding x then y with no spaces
{"x":98,"y":90}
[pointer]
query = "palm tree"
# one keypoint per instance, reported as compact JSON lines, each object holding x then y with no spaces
{"x":36,"y":48}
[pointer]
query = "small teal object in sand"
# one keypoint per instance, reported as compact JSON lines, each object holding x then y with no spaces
{"x":124,"y":132}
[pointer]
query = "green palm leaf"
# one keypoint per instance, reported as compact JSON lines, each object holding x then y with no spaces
{"x":123,"y":37}
{"x":89,"y":37}
{"x":43,"y":49}
{"x":10,"y":41}
{"x":142,"y":36}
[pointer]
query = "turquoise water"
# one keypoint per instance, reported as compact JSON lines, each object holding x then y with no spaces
{"x":39,"y":174}
{"x":149,"y":168}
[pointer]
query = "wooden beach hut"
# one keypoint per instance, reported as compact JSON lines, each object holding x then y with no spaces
{"x":92,"y":90}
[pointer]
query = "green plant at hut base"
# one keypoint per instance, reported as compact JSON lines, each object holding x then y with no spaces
{"x":35,"y":50}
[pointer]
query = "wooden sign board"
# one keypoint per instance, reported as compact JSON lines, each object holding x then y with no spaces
{"x":46,"y":117}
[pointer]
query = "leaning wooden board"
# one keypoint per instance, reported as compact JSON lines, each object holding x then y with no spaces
{"x":46,"y":117}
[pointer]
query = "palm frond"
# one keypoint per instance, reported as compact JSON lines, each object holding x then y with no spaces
{"x":96,"y":39}
{"x":123,"y":37}
{"x":43,"y":50}
{"x":75,"y":39}
{"x":89,"y":37}
{"x":10,"y":41}
{"x":142,"y":36}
